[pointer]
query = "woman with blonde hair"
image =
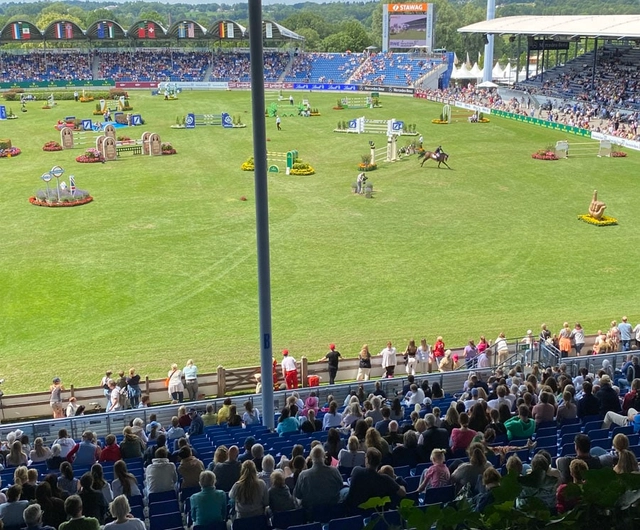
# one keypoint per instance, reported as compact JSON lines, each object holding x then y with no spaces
{"x":16,"y":456}
{"x":352,"y":415}
{"x":446,"y":364}
{"x":424,"y":356}
{"x":40,"y":452}
{"x":352,"y":456}
{"x":120,"y":511}
{"x":564,"y":336}
{"x":174,"y":384}
{"x":250,"y":494}
{"x":364,"y":365}
{"x":20,"y":475}
{"x":373,"y":438}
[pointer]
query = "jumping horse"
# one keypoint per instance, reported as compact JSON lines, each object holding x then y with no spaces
{"x":440,"y":157}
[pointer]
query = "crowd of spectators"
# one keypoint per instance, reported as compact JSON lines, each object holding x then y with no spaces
{"x":392,"y":68}
{"x":46,"y":66}
{"x":153,"y":65}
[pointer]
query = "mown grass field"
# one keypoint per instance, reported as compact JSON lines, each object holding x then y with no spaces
{"x":161,"y":267}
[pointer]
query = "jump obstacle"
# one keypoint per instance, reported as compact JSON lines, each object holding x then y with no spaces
{"x":390,"y":150}
{"x":199,"y":120}
{"x":583,"y":149}
{"x":366,"y":126}
{"x":449,"y":116}
{"x":359,"y":102}
{"x":288,"y":157}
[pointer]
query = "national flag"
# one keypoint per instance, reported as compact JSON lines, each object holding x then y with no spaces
{"x":110,"y":30}
{"x":68,"y":31}
{"x":142,"y":31}
{"x":230,"y":33}
{"x":191,"y":30}
{"x":26,"y":32}
{"x":151,"y":30}
{"x":59,"y":30}
{"x":72,"y":184}
{"x":221,"y":30}
{"x":15,"y":30}
{"x":182,"y":31}
{"x":101,"y":30}
{"x":268,"y":30}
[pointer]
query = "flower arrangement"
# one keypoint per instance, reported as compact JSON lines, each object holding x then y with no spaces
{"x":314,"y":112}
{"x":248,"y":165}
{"x":11,"y":115}
{"x":52,"y":146}
{"x":90,"y":156}
{"x":440,"y":120}
{"x":365,"y":164}
{"x":545,"y":154}
{"x":67,"y":198}
{"x":618,"y":154}
{"x":123,"y":139}
{"x":603,"y":221}
{"x":9,"y":152}
{"x":339,"y":105}
{"x":85,"y":99}
{"x":302,"y":168}
{"x":167,"y":149}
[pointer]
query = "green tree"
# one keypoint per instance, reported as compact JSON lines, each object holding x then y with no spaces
{"x":312,"y":41}
{"x":99,"y":14}
{"x":308,"y":20}
{"x":45,"y":19}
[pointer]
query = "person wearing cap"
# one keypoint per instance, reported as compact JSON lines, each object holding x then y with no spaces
{"x":55,"y":399}
{"x":289,"y":370}
{"x":332,"y":357}
{"x":190,"y":372}
{"x":473,"y":399}
{"x":607,"y":397}
{"x":197,"y":424}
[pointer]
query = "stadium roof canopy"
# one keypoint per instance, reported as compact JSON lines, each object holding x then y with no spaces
{"x":612,"y":27}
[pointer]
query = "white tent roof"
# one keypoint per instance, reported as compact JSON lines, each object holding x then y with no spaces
{"x":461,"y":73}
{"x":475,"y":71}
{"x":603,"y":26}
{"x":497,"y":71}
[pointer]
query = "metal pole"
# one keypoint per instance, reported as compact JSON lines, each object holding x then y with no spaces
{"x":262,"y":207}
{"x":488,"y":48}
{"x":518,"y":58}
{"x":595,"y":63}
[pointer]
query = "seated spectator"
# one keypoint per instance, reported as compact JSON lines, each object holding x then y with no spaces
{"x":137,"y":428}
{"x":111,"y":451}
{"x":319,"y":485}
{"x":54,"y":461}
{"x":373,"y":439}
{"x":16,"y":457}
{"x":29,"y":485}
{"x":11,"y":512}
{"x":210,"y":418}
{"x":588,"y":404}
{"x":366,"y":482}
{"x":223,"y":413}
{"x":564,"y":503}
{"x":175,"y":432}
{"x":311,"y":403}
{"x":66,"y":481}
{"x":268,"y":465}
{"x":568,"y":410}
{"x":332,"y":418}
{"x":77,"y":521}
{"x":383,"y":425}
{"x":234,"y":420}
{"x":161,"y":474}
{"x":393,"y":437}
{"x":189,"y":469}
{"x":209,"y":505}
{"x":286,"y":423}
{"x":607,"y":397}
{"x":33,"y":518}
{"x":250,"y":494}
{"x":53,"y":507}
{"x":184,"y":420}
{"x":65,"y":442}
{"x":520,"y":426}
{"x":121,"y":512}
{"x":538,"y":484}
{"x":150,"y":452}
{"x":280,"y":498}
{"x":93,"y":502}
{"x":124,"y":483}
{"x":311,"y":424}
{"x":438,"y":474}
{"x":432,"y":438}
{"x":406,"y":454}
{"x":351,"y":456}
{"x":248,"y":444}
{"x":40,"y":452}
{"x":490,"y":479}
{"x":86,"y":453}
{"x":467,"y":474}
{"x":131,"y":446}
{"x":461,"y":437}
{"x":257,"y":453}
{"x":478,"y":419}
{"x":251,"y":415}
{"x":334,"y":444}
{"x":227,"y":471}
{"x":544,"y":411}
{"x":583,"y":452}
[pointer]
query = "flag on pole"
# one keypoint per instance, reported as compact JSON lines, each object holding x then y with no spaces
{"x":142,"y":31}
{"x":101,"y":30}
{"x":268,"y":30}
{"x":72,"y":184}
{"x":191,"y":31}
{"x":151,"y":30}
{"x":110,"y":30}
{"x":230,"y":30}
{"x":182,"y":32}
{"x":221,"y":30}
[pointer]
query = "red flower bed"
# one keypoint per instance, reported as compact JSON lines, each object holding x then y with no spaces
{"x":37,"y":202}
{"x":618,"y":154}
{"x":12,"y":151}
{"x":544,"y":155}
{"x":91,"y":156}
{"x":52,"y":146}
{"x":167,"y":149}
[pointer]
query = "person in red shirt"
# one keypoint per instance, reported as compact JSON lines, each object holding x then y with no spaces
{"x":565,"y":502}
{"x":438,"y":350}
{"x":111,"y":451}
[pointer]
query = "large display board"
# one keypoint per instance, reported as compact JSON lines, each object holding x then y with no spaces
{"x":406,"y":26}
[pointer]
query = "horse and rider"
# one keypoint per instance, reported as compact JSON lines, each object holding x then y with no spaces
{"x":438,"y":155}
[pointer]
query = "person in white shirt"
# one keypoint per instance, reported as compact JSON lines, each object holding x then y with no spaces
{"x":483,"y":360}
{"x":471,"y":402}
{"x":389,"y":360}
{"x":415,"y":396}
{"x":502,"y":348}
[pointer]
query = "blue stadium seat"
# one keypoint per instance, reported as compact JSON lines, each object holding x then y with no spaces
{"x":402,"y":471}
{"x":627,"y":429}
{"x":167,"y":521}
{"x":592,"y":426}
{"x":385,"y":521}
{"x":346,"y":523}
{"x":439,"y":495}
{"x":573,"y":428}
{"x":283,"y":520}
{"x":597,"y":434}
{"x":259,"y":522}
{"x":308,"y":526}
{"x":412,"y":482}
{"x":324,"y":513}
{"x":420,"y":468}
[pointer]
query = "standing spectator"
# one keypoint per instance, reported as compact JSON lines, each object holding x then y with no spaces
{"x":55,"y":399}
{"x":250,"y":494}
{"x":175,"y":386}
{"x":104,"y":384}
{"x":470,"y":354}
{"x":133,"y":386}
{"x":502,"y":349}
{"x":424,"y":356}
{"x":364,"y":363}
{"x":438,"y":350}
{"x":625,"y":331}
{"x":77,"y":521}
{"x":333,"y":358}
{"x":121,"y":512}
{"x":411,"y":357}
{"x":72,"y":408}
{"x":564,"y":337}
{"x":577,"y":335}
{"x":278,"y":122}
{"x":114,"y":397}
{"x":191,"y":379}
{"x":289,"y":370}
{"x":388,"y":360}
{"x":209,"y":505}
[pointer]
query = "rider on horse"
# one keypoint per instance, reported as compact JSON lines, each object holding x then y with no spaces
{"x":439,"y":152}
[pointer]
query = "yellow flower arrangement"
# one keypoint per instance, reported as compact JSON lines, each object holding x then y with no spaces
{"x":604,"y":221}
{"x":440,"y":122}
{"x":248,"y":165}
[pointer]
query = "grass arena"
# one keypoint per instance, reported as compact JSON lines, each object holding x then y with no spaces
{"x":161,"y":266}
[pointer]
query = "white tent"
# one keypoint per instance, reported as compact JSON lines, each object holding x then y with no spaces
{"x":487,"y":84}
{"x":461,"y":73}
{"x":497,"y":72}
{"x":476,"y":72}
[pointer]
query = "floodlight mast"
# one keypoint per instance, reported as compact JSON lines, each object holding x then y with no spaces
{"x":488,"y":47}
{"x":262,"y":207}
